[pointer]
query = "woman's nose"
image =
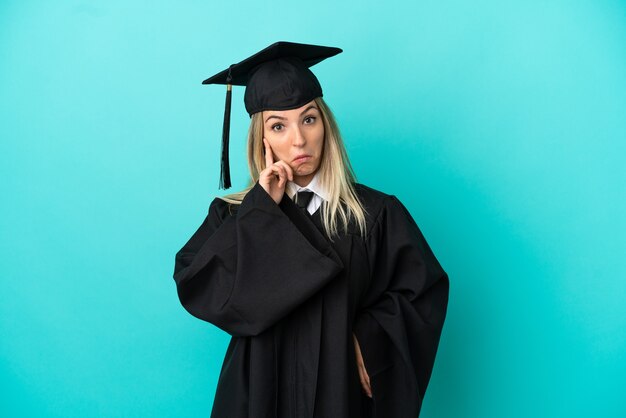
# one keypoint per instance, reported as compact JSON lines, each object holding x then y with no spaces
{"x":298,"y":137}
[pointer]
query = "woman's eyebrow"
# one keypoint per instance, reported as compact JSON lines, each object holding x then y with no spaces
{"x":275,"y":116}
{"x":307,"y":109}
{"x":301,"y":113}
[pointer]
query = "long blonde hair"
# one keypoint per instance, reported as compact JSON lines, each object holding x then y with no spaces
{"x":336,"y":174}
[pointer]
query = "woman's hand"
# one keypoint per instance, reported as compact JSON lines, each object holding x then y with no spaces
{"x":363,"y":376}
{"x":274,"y":178}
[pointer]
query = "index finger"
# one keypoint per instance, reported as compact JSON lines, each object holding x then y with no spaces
{"x":269,"y":157}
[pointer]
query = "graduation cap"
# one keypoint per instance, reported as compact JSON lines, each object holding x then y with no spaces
{"x":276,"y":78}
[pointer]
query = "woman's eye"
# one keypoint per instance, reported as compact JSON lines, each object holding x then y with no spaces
{"x":309,"y":119}
{"x":278,"y":125}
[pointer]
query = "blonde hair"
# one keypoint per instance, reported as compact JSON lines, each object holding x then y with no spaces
{"x":336,"y":174}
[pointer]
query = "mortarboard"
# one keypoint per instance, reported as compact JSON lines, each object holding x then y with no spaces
{"x":276,"y":78}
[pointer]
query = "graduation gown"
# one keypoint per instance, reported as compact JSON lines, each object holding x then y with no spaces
{"x":290,"y":298}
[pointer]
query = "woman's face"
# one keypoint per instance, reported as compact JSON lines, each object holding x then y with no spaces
{"x":296,"y":137}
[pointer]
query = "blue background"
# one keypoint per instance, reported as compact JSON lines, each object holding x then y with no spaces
{"x":500,"y":125}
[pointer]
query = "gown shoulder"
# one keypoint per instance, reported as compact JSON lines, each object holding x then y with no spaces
{"x":369,"y":194}
{"x":221,"y":209}
{"x":374,"y":202}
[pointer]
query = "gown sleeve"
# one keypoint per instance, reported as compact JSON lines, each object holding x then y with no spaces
{"x":243,"y":273}
{"x":400,"y":324}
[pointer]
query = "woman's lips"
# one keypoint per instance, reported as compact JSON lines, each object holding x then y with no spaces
{"x":301,"y":159}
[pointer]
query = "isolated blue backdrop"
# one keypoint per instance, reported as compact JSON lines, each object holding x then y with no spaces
{"x":501,"y":126}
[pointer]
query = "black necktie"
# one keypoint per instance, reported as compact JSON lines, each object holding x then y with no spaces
{"x":302,"y":199}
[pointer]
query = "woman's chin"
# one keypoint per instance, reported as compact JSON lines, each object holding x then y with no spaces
{"x":303,"y":170}
{"x":303,"y":175}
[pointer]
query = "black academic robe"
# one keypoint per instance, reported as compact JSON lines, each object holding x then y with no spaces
{"x":290,"y":298}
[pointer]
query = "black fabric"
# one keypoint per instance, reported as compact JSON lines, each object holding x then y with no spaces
{"x":303,"y":198}
{"x":277,"y":77}
{"x":291,"y":299}
{"x":281,"y":84}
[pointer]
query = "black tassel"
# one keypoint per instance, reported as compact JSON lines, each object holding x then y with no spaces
{"x":225,"y":171}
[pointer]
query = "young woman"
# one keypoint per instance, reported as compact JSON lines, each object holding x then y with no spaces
{"x":332,"y":296}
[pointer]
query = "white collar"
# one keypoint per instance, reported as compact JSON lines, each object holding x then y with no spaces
{"x":314,"y":185}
